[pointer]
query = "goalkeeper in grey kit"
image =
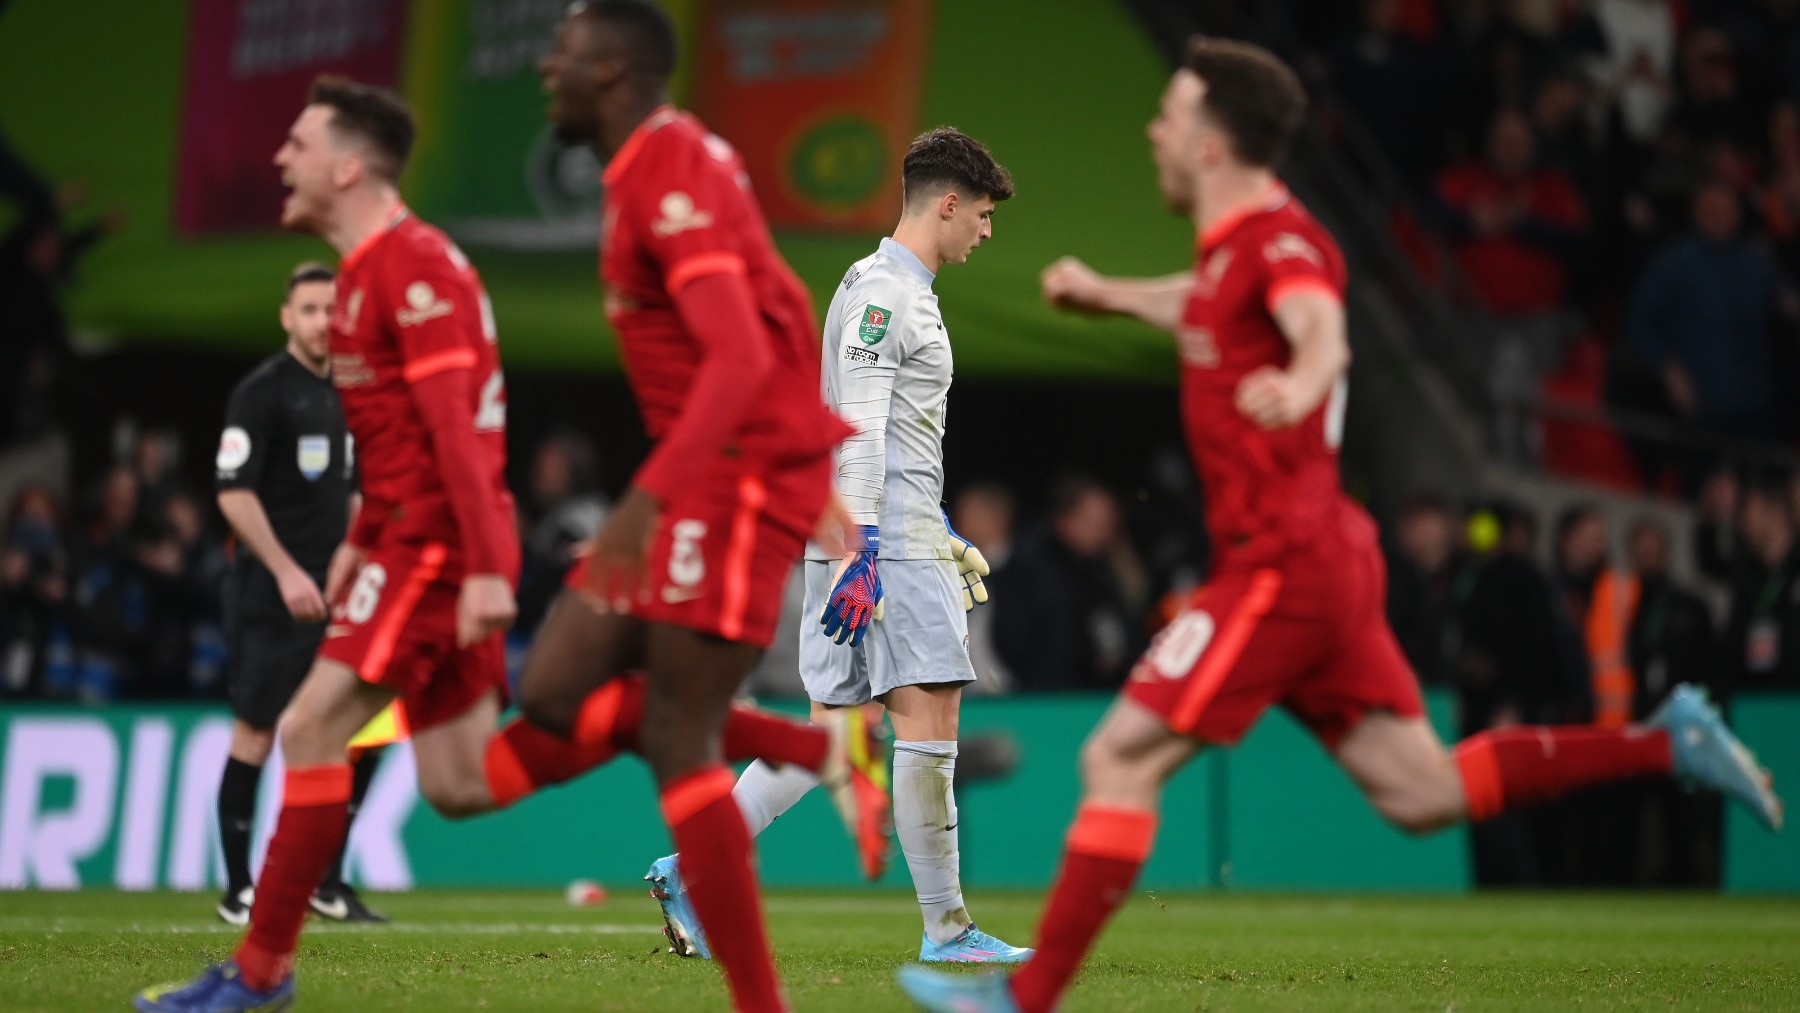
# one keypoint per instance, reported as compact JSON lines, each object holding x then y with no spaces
{"x":892,"y":614}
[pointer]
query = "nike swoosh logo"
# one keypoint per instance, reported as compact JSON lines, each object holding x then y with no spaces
{"x":951,"y":827}
{"x":678,"y":595}
{"x":335,"y":909}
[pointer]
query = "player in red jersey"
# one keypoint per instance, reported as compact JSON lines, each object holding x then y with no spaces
{"x":1292,"y":613}
{"x":719,"y":343}
{"x":422,"y":587}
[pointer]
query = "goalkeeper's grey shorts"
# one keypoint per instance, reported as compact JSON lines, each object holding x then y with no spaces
{"x":921,"y":639}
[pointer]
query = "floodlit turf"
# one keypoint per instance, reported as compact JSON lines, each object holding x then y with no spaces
{"x":531,"y":951}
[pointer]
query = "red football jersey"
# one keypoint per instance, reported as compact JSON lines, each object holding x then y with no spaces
{"x":1267,"y":491}
{"x":678,"y":205}
{"x":409,"y":308}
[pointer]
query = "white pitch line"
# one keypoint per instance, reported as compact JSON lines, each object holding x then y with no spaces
{"x":460,"y":929}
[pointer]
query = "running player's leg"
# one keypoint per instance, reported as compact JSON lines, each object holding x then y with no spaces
{"x":1365,"y":706}
{"x":691,"y":679}
{"x":1124,"y":765}
{"x":331,"y":706}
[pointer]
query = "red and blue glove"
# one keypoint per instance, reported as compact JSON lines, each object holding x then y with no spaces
{"x":855,"y":600}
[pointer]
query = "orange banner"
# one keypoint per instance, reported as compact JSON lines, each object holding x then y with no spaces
{"x":821,"y":98}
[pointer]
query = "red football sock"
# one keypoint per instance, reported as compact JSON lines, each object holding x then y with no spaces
{"x":1510,"y":768}
{"x":523,"y":757}
{"x":715,"y":863}
{"x":752,"y":734}
{"x":314,"y":814}
{"x":1106,"y":848}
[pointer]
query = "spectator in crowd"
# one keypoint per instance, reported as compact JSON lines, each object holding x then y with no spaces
{"x":1063,"y":619}
{"x":1703,"y":320}
{"x":1427,"y":579}
{"x":1761,"y":649}
{"x":563,"y":509}
{"x":983,"y":513}
{"x":1676,"y":835}
{"x":34,"y":589}
{"x":1516,"y":225}
{"x":1712,"y":107}
{"x":1521,"y":663}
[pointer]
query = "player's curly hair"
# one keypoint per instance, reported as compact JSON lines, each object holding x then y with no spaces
{"x":944,"y":159}
{"x":1256,"y":99}
{"x":380,"y":119}
{"x":651,"y":45}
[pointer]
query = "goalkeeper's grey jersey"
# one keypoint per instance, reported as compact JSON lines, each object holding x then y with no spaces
{"x":887,"y":370}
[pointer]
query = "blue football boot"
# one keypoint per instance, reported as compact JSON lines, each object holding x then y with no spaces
{"x":681,"y":923}
{"x":956,"y":993}
{"x":219,"y":989}
{"x":1706,"y":753}
{"x":972,"y":946}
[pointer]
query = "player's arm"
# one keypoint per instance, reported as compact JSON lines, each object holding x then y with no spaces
{"x":1072,"y":285}
{"x":243,"y":452}
{"x":712,"y":294}
{"x":866,"y":349}
{"x":1311,"y":318}
{"x":440,"y":359}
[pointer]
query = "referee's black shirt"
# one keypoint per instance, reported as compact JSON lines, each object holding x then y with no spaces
{"x":285,"y":440}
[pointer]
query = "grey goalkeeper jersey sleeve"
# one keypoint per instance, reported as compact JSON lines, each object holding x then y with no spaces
{"x":887,"y":370}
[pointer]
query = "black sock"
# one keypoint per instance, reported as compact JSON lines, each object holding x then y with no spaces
{"x":237,"y":814}
{"x":361,"y":774}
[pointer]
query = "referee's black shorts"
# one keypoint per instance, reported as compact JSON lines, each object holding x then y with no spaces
{"x":270,"y":655}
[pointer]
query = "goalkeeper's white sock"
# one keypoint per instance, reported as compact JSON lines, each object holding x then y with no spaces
{"x":925,"y":819}
{"x":766,"y":791}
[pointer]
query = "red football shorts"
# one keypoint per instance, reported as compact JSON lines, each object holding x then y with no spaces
{"x":1309,"y":634}
{"x":397,"y":628}
{"x":720,"y":559}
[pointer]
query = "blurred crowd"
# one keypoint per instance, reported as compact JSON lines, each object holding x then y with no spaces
{"x":1618,"y":184}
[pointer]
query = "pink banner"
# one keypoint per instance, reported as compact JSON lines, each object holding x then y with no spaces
{"x":249,"y":65}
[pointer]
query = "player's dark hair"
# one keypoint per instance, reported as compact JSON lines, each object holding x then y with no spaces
{"x":650,"y":45}
{"x":377,"y":117}
{"x":1254,"y":97}
{"x":1422,"y":503}
{"x":944,"y":160}
{"x":307,"y":273}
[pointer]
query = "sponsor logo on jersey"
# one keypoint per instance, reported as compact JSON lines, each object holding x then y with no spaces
{"x":350,"y":370}
{"x":313,"y":455}
{"x":423,"y":304}
{"x":234,"y":451}
{"x":1198,"y":346}
{"x":679,"y":215}
{"x":862,"y":355}
{"x":874,"y":326}
{"x":1289,"y":246}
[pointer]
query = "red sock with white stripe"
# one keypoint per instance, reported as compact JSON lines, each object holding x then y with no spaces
{"x":1510,"y":768}
{"x":715,"y":865}
{"x":1107,"y":846}
{"x":314,"y":814}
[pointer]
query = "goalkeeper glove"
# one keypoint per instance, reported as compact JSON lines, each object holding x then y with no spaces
{"x":970,"y":565}
{"x":855,"y":600}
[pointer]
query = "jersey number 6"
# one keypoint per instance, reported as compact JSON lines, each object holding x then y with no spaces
{"x":366,"y":593}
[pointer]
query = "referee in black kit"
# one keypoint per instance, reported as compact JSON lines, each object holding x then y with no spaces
{"x":287,"y":485}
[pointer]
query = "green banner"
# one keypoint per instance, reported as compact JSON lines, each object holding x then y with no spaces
{"x":125,"y":797}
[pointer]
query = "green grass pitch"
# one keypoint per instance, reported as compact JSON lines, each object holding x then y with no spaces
{"x":531,"y":951}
